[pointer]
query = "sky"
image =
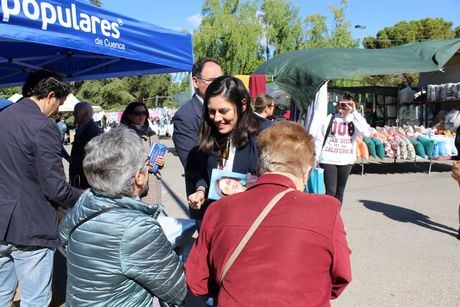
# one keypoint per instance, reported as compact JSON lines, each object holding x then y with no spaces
{"x":373,"y":14}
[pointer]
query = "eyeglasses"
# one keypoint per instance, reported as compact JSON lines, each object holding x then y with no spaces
{"x":207,"y":80}
{"x":142,"y":113}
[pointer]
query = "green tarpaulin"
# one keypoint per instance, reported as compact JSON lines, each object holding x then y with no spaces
{"x":302,"y":73}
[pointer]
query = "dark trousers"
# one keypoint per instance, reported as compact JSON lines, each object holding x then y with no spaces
{"x":335,"y":179}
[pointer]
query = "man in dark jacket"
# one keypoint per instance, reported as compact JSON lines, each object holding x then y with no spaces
{"x":117,"y":253}
{"x":187,"y":120}
{"x":32,"y":185}
{"x":87,"y":129}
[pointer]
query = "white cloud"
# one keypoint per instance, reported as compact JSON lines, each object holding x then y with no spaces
{"x":194,"y":20}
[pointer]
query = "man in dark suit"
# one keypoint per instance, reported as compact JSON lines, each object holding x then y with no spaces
{"x":32,"y":185}
{"x":187,"y":120}
{"x":87,"y":129}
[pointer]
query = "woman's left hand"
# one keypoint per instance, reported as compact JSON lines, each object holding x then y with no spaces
{"x":352,"y":106}
{"x":160,"y":161}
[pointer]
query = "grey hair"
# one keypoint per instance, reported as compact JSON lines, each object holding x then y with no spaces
{"x":112,"y":159}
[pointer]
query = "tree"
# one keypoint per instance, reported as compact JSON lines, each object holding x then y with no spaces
{"x":406,"y":32}
{"x":9,"y":91}
{"x":315,"y":32}
{"x":283,"y":25}
{"x":340,"y":36}
{"x":230,"y":33}
{"x":317,"y":35}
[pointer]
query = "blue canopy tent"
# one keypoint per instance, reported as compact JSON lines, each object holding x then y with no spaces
{"x":84,"y":42}
{"x":4,"y":103}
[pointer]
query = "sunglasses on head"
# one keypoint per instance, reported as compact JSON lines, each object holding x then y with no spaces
{"x":144,"y":113}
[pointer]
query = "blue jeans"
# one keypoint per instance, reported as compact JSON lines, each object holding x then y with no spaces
{"x":32,"y":267}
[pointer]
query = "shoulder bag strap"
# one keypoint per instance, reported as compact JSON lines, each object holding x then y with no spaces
{"x":251,"y":231}
{"x":329,"y":127}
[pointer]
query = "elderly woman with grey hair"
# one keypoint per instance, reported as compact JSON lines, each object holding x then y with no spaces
{"x":117,"y":253}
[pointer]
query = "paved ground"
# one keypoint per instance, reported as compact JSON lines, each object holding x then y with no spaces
{"x":401,"y":224}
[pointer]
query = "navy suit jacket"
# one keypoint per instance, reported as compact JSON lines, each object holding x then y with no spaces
{"x":32,"y":179}
{"x":187,"y":123}
{"x":263,"y":122}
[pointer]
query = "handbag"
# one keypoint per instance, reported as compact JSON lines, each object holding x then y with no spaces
{"x":315,"y":183}
{"x":250,"y":232}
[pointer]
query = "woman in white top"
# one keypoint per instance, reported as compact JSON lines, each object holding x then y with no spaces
{"x":335,"y":145}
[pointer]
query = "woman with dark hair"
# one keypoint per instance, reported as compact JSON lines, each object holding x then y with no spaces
{"x":335,"y":145}
{"x":135,"y":117}
{"x":264,"y":105}
{"x":227,"y":136}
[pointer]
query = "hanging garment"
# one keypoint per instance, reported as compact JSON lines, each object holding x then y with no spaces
{"x":245,"y":79}
{"x":257,"y":85}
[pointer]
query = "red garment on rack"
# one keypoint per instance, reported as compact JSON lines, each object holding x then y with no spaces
{"x":257,"y":85}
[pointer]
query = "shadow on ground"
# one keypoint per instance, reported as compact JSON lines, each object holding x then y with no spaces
{"x":403,"y":167}
{"x":176,"y":198}
{"x":405,"y":215}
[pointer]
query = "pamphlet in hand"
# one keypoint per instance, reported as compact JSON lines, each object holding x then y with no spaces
{"x":157,"y":150}
{"x":225,"y":183}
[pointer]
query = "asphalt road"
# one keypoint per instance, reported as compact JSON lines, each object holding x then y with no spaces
{"x":401,"y":225}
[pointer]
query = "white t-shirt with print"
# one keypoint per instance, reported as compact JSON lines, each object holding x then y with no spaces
{"x":339,"y":148}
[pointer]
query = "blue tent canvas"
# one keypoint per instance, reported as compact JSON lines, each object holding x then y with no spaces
{"x":4,"y":103}
{"x":83,"y":42}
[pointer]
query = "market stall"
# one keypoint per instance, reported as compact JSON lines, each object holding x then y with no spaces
{"x":304,"y":74}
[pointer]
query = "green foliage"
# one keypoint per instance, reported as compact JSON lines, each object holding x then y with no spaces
{"x":405,"y":32}
{"x":171,"y":104}
{"x":115,"y":94}
{"x":284,"y":26}
{"x":9,"y":91}
{"x":315,"y":33}
{"x":457,"y":32}
{"x":233,"y":31}
{"x":340,"y":36}
{"x":230,"y":33}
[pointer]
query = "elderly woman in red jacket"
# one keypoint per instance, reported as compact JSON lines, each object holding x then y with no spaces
{"x":297,"y":256}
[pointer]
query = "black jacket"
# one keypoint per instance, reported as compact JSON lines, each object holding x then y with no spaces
{"x":32,"y":179}
{"x":84,"y":134}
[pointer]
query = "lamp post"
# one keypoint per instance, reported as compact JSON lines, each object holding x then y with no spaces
{"x":361,"y":27}
{"x":263,"y":21}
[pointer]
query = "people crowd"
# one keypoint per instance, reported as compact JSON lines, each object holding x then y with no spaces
{"x":265,"y":242}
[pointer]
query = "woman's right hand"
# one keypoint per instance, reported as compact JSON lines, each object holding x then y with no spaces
{"x":196,"y":200}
